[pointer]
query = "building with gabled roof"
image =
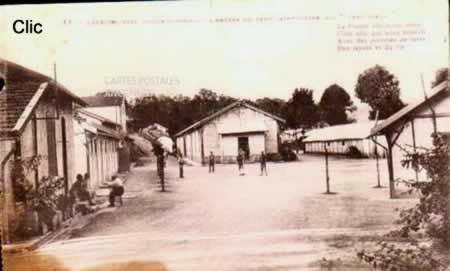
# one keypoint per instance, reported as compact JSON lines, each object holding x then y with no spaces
{"x":109,"y":107}
{"x":340,"y":139}
{"x":411,"y":128}
{"x":36,"y":126}
{"x":236,"y":126}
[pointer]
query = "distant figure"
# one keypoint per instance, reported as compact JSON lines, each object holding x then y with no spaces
{"x":76,"y":188}
{"x":262,"y":161}
{"x":181,"y":164}
{"x":117,"y":189}
{"x":212,"y":162}
{"x":240,"y":161}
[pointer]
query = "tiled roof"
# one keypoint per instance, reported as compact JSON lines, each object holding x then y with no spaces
{"x":97,"y":101}
{"x":21,"y":86}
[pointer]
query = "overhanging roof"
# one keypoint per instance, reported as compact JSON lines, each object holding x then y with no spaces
{"x":409,"y":109}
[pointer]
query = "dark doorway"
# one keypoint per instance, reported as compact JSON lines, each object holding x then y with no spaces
{"x":51,"y":145}
{"x":64,"y":155}
{"x":243,"y":145}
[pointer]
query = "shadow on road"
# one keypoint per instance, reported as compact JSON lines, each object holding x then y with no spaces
{"x":38,"y":262}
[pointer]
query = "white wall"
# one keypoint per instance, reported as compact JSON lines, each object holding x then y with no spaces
{"x":114,"y":113}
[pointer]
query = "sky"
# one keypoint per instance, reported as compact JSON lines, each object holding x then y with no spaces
{"x":261,"y":55}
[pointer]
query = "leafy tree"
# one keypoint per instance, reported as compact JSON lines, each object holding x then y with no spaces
{"x":110,"y":93}
{"x":176,"y":112}
{"x":301,"y":109}
{"x":274,"y":106}
{"x":334,"y":104}
{"x":380,"y":89}
{"x":441,"y":76}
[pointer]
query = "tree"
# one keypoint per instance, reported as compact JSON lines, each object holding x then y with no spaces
{"x":301,"y":109}
{"x":441,"y":76}
{"x":110,"y":93}
{"x":274,"y":106}
{"x":334,"y":104}
{"x":379,"y":88}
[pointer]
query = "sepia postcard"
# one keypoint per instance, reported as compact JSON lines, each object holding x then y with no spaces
{"x":225,"y":136}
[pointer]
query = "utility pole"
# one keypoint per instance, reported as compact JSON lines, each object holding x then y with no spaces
{"x":378,"y":167}
{"x":327,"y":176}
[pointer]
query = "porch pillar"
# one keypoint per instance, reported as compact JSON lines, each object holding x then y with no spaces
{"x":390,"y":164}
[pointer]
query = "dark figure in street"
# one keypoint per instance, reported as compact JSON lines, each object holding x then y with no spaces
{"x":240,"y":161}
{"x":212,"y":162}
{"x":262,"y":161}
{"x":181,"y":164}
{"x":117,"y":190}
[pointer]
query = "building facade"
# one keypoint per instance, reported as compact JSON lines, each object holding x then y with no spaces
{"x":110,"y":107}
{"x":237,"y":126}
{"x":343,"y":140}
{"x":96,"y":147}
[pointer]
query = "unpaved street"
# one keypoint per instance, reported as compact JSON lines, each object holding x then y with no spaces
{"x":223,"y":221}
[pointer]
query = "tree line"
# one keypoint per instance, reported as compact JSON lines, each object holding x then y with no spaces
{"x":375,"y":86}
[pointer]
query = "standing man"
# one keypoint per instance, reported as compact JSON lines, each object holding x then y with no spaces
{"x":212,"y":162}
{"x":262,"y":161}
{"x":240,"y":161}
{"x":181,"y":164}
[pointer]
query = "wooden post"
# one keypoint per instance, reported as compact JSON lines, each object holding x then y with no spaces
{"x":327,"y":176}
{"x":413,"y":131}
{"x":377,"y":157}
{"x":390,"y":165}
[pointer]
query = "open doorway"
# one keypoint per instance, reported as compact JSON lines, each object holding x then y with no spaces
{"x":243,"y":145}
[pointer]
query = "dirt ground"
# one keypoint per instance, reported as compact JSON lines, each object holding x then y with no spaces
{"x":223,"y":221}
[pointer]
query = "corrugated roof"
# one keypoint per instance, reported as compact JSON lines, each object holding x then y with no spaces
{"x":100,"y":101}
{"x":381,"y":127}
{"x":106,"y":131}
{"x":352,"y":131}
{"x":22,"y":84}
{"x":223,"y":111}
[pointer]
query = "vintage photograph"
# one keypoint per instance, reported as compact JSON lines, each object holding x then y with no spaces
{"x":225,"y":136}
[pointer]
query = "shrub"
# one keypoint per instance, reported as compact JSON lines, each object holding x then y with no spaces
{"x":354,"y":152}
{"x":274,"y":157}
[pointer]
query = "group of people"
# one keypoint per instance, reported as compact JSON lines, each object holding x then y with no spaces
{"x":240,"y":161}
{"x":83,"y":200}
{"x":80,"y":196}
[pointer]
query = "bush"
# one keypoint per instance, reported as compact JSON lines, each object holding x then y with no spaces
{"x":354,"y":152}
{"x":288,"y":153}
{"x":274,"y":157}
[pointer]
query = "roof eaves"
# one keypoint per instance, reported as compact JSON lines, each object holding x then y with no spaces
{"x":29,"y":109}
{"x":379,"y":129}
